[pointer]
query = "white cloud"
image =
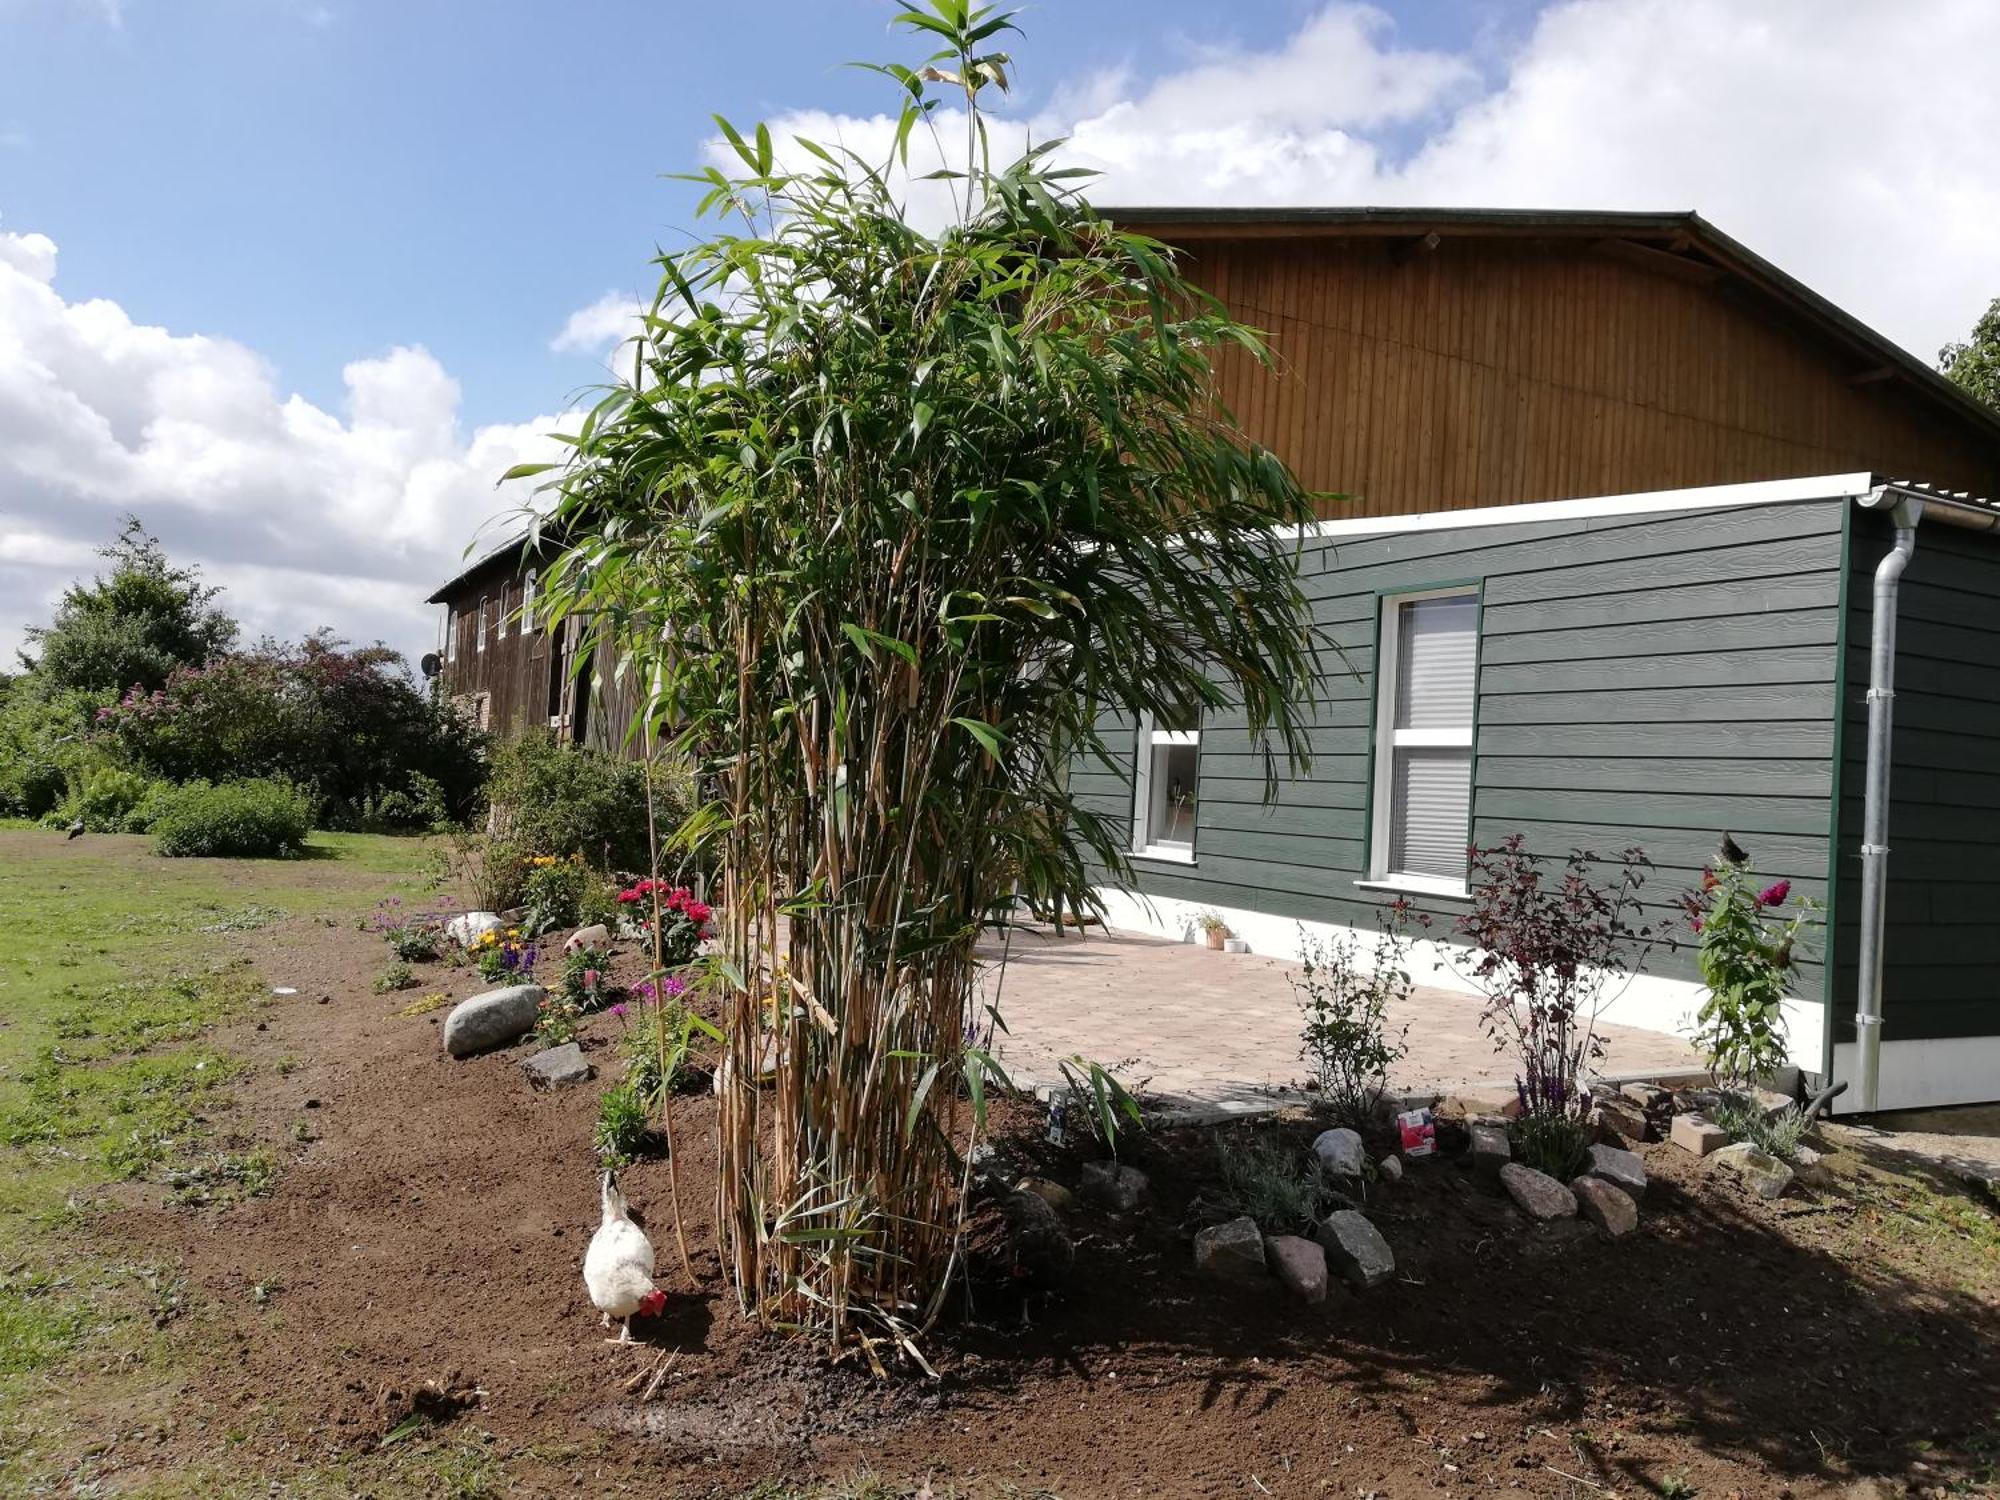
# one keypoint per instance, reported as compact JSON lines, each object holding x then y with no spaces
{"x":309,"y":517}
{"x":609,"y":320}
{"x":1786,"y":124}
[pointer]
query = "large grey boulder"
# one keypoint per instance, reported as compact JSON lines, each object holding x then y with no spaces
{"x":1340,"y":1151}
{"x":1355,"y":1248}
{"x":1623,"y":1169}
{"x":1231,"y":1252}
{"x":1299,"y":1265}
{"x":1606,"y":1205}
{"x":1115,"y":1185}
{"x":1537,"y":1194}
{"x":1761,"y":1172}
{"x":558,"y":1067}
{"x":491,"y":1020}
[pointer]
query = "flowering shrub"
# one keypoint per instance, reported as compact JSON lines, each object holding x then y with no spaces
{"x":1545,"y":951}
{"x":1746,"y":953}
{"x":586,"y":981}
{"x":684,"y":921}
{"x":413,"y":936}
{"x":504,"y":955}
{"x":557,"y":1020}
{"x":1346,"y":1043}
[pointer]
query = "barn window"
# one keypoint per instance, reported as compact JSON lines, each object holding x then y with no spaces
{"x":1163,"y":801}
{"x":485,"y":609}
{"x":528,"y":602}
{"x":1426,"y":679}
{"x":450,"y":634}
{"x":500,"y":615}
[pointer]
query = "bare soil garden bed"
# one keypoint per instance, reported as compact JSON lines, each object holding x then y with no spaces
{"x":413,"y":1278}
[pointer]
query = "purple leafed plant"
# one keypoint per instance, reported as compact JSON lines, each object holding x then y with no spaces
{"x":1547,"y":945}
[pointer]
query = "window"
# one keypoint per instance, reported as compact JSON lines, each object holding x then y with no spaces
{"x":528,"y":602}
{"x":1426,"y":676}
{"x":450,"y":634}
{"x":485,"y":609}
{"x":500,"y":615}
{"x":1164,"y":794}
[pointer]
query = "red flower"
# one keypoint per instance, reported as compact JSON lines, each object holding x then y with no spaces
{"x":1774,"y":895}
{"x":1708,"y":880}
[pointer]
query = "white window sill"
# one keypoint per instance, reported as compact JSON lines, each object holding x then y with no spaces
{"x":1173,"y":854}
{"x":1416,"y":885}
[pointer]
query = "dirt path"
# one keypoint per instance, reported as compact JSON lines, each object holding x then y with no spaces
{"x":430,"y":1227}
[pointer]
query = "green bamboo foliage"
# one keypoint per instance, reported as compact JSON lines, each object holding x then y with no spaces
{"x":884,"y":520}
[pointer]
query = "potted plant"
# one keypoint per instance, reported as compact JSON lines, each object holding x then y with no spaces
{"x":1213,"y":928}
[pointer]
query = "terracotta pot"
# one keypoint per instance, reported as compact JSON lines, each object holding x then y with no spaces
{"x":1216,"y":937}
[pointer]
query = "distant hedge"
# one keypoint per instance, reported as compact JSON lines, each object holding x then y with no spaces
{"x":254,"y":819}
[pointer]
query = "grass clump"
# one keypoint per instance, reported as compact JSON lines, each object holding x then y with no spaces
{"x":1285,"y":1191}
{"x":248,"y":819}
{"x":1745,"y":1120}
{"x":622,"y":1123}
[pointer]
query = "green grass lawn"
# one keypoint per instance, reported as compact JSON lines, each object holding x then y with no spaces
{"x":113,"y":966}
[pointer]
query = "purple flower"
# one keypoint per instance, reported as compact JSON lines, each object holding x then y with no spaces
{"x":673,"y":987}
{"x":618,"y":1011}
{"x":1774,"y":895}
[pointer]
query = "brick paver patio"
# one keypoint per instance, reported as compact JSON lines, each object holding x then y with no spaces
{"x":1197,"y":1028}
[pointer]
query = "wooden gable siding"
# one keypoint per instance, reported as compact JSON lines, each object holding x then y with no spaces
{"x":1941,"y":969}
{"x":1649,"y":680}
{"x":1496,"y":371}
{"x":513,"y":670}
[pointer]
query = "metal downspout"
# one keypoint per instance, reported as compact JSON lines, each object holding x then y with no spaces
{"x":1875,"y":803}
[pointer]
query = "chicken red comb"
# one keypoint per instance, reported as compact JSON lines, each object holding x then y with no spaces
{"x":652,"y":1304}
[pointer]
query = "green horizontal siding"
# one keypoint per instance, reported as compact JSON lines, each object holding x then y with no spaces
{"x":1941,"y":975}
{"x":1647,"y":681}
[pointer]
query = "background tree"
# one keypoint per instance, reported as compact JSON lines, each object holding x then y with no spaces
{"x":135,"y":625}
{"x":1973,"y":363}
{"x":887,"y":522}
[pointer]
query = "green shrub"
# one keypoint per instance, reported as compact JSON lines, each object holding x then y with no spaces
{"x":251,"y":819}
{"x":561,"y":799}
{"x":159,"y":794}
{"x":554,"y":892}
{"x":105,"y":800}
{"x":622,"y":1123}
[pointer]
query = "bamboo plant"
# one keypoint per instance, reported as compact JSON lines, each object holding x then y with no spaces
{"x":891,"y":524}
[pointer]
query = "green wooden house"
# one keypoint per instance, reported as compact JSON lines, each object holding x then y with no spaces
{"x":1537,"y":640}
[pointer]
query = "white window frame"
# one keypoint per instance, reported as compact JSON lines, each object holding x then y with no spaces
{"x":500,"y":613}
{"x":1150,"y":739}
{"x":450,"y":634}
{"x":1389,"y":739}
{"x":485,"y":600}
{"x":528,"y":602}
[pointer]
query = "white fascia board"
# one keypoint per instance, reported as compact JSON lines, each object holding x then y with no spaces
{"x":1599,"y":507}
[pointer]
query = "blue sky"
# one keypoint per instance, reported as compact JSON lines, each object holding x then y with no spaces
{"x":322,"y":179}
{"x":296,"y":279}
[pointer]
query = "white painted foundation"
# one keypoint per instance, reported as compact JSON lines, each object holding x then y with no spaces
{"x":1646,"y":1001}
{"x":1922,"y":1073}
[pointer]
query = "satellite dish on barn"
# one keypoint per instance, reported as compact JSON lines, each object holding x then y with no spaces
{"x":430,"y":664}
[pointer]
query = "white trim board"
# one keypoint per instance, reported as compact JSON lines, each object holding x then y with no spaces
{"x":1923,"y":1072}
{"x":1647,"y":1001}
{"x":1646,"y":502}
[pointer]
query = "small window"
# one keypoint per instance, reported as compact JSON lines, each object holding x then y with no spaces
{"x":1427,"y":675}
{"x":528,"y":602}
{"x":450,"y":634}
{"x":500,"y":615}
{"x":485,"y":610}
{"x":1163,"y":804}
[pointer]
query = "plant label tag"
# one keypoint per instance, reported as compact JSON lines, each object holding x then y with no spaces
{"x":1417,"y":1131}
{"x":1058,"y":1131}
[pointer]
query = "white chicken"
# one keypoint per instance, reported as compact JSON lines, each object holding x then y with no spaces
{"x":618,"y":1267}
